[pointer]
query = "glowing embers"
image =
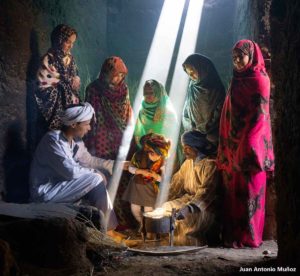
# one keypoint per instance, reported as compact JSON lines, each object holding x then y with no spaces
{"x":158,"y":222}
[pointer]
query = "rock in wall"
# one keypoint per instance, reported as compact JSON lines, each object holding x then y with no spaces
{"x":285,"y":37}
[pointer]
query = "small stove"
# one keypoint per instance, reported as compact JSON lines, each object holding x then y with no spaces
{"x":158,"y":222}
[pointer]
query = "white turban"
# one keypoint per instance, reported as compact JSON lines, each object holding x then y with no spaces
{"x":77,"y":114}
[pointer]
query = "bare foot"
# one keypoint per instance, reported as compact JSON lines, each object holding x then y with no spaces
{"x":131,"y":243}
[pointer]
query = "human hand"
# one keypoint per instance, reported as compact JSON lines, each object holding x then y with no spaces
{"x":125,"y":165}
{"x":75,"y":83}
{"x":182,"y":213}
{"x":155,"y":175}
{"x":143,"y":172}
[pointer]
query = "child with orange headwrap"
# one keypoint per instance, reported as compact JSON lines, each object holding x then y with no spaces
{"x":147,"y":165}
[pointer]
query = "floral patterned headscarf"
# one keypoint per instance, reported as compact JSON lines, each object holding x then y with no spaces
{"x":111,"y":67}
{"x":60,"y":34}
{"x":112,"y":108}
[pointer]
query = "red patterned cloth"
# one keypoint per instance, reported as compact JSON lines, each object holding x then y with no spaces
{"x":245,"y":150}
{"x":113,"y":111}
{"x":112,"y":108}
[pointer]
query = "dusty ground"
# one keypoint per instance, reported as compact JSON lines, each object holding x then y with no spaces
{"x":208,"y":261}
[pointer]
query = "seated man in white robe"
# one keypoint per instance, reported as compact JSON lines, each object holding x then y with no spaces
{"x":63,"y":171}
{"x":194,"y":190}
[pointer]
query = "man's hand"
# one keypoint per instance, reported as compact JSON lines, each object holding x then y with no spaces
{"x":182,"y":213}
{"x":125,"y":165}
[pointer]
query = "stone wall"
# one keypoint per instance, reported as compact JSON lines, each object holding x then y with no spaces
{"x":285,"y":26}
{"x":25,"y":27}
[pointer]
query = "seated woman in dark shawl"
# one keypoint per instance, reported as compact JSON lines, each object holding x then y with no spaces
{"x":58,"y":80}
{"x":194,"y":190}
{"x":205,"y":97}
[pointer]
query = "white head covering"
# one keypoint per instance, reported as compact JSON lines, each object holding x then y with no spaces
{"x":77,"y":114}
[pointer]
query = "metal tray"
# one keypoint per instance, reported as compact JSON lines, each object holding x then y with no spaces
{"x":166,"y":250}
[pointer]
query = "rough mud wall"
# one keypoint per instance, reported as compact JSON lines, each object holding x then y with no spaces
{"x":25,"y":27}
{"x":216,"y":35}
{"x":285,"y":41}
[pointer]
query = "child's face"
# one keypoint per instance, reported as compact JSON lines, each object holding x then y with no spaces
{"x":153,"y":156}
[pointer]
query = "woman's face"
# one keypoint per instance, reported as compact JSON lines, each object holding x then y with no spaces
{"x":239,"y":59}
{"x":149,"y":95}
{"x":68,"y":44}
{"x":189,"y":152}
{"x":116,"y":80}
{"x":192,"y":73}
{"x":153,"y":156}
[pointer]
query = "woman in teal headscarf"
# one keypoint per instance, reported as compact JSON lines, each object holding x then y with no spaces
{"x":205,"y":97}
{"x":157,"y":114}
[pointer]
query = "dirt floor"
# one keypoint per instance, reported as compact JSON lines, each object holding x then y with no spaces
{"x":207,"y":261}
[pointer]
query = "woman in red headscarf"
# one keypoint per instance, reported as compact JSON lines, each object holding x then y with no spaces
{"x":109,"y":96}
{"x":245,"y":152}
{"x":110,"y":99}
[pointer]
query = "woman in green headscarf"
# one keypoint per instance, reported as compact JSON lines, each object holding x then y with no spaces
{"x":157,"y":114}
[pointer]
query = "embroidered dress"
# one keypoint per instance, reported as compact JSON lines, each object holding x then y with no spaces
{"x":245,"y":150}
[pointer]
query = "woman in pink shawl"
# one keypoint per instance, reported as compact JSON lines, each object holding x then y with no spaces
{"x":245,"y":152}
